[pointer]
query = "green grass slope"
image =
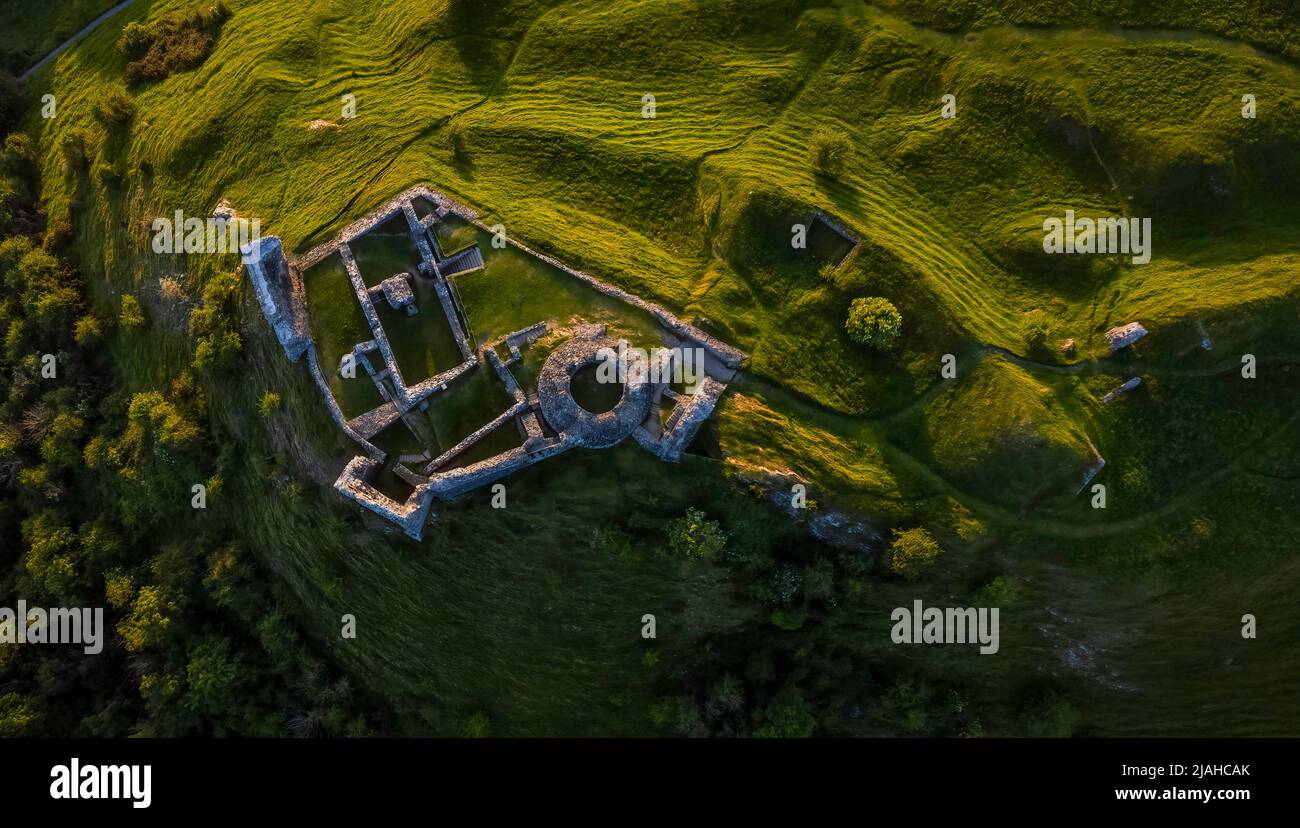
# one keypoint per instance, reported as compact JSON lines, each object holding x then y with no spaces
{"x":532,"y":113}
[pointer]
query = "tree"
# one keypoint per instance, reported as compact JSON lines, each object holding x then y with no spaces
{"x":695,"y":536}
{"x":88,"y":331}
{"x":16,"y":715}
{"x":217,"y":351}
{"x":161,"y":417}
{"x":157,"y":456}
{"x":270,"y":403}
{"x":212,"y":323}
{"x":20,"y":154}
{"x":132,"y":314}
{"x":114,"y":109}
{"x":787,"y":716}
{"x":212,"y":678}
{"x":51,"y":546}
{"x":873,"y":321}
{"x":15,"y":342}
{"x":147,"y":623}
{"x":913,"y":552}
{"x":134,"y":40}
{"x":455,"y":132}
{"x":62,"y":444}
{"x":54,"y":309}
{"x":49,"y":290}
{"x":12,"y":251}
{"x":830,"y":151}
{"x":11,"y":200}
{"x":1037,"y":329}
{"x":478,"y":726}
{"x":1002,"y":591}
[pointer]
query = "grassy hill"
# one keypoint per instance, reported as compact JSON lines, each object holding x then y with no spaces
{"x":532,"y":112}
{"x":32,"y":30}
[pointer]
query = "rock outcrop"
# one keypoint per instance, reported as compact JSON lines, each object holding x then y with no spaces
{"x":1125,"y":335}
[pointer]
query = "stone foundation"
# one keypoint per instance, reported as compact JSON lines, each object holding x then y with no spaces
{"x":550,"y":422}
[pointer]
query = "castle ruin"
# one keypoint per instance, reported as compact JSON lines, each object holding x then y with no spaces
{"x":549,"y":421}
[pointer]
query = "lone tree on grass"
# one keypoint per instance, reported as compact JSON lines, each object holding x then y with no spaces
{"x":270,"y":404}
{"x":132,"y":314}
{"x":873,"y":321}
{"x":695,"y":536}
{"x":830,"y":151}
{"x":456,"y":137}
{"x":1037,"y":329}
{"x":114,"y":109}
{"x":913,"y":553}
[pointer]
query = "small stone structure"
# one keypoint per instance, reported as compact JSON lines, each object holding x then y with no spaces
{"x":397,"y":292}
{"x":566,"y":416}
{"x":549,"y":423}
{"x":410,"y":516}
{"x":1089,"y":473}
{"x":1121,"y":391}
{"x":839,"y":227}
{"x":1125,"y":335}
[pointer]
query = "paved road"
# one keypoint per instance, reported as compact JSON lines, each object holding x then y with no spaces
{"x":90,"y":27}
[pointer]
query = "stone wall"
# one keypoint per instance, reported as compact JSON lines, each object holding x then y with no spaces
{"x":686,"y":418}
{"x":372,"y":318}
{"x":456,"y":482}
{"x":410,"y":516}
{"x":729,"y":356}
{"x":464,"y":445}
{"x":280,"y":293}
{"x":332,"y":405}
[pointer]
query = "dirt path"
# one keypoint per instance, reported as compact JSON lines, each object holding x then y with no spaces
{"x":866,"y":428}
{"x":1118,"y":369}
{"x":90,"y":27}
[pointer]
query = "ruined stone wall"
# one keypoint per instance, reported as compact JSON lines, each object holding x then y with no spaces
{"x":332,"y":405}
{"x":456,"y":482}
{"x":729,"y":356}
{"x":355,"y":481}
{"x":355,"y":484}
{"x":483,"y":431}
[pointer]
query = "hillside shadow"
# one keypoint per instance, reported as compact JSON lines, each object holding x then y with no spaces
{"x":472,"y":23}
{"x":844,"y":196}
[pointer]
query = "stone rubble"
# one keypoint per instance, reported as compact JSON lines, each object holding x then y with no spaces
{"x":1125,"y":335}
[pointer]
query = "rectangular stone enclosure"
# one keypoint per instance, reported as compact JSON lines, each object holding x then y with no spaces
{"x":663,"y":394}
